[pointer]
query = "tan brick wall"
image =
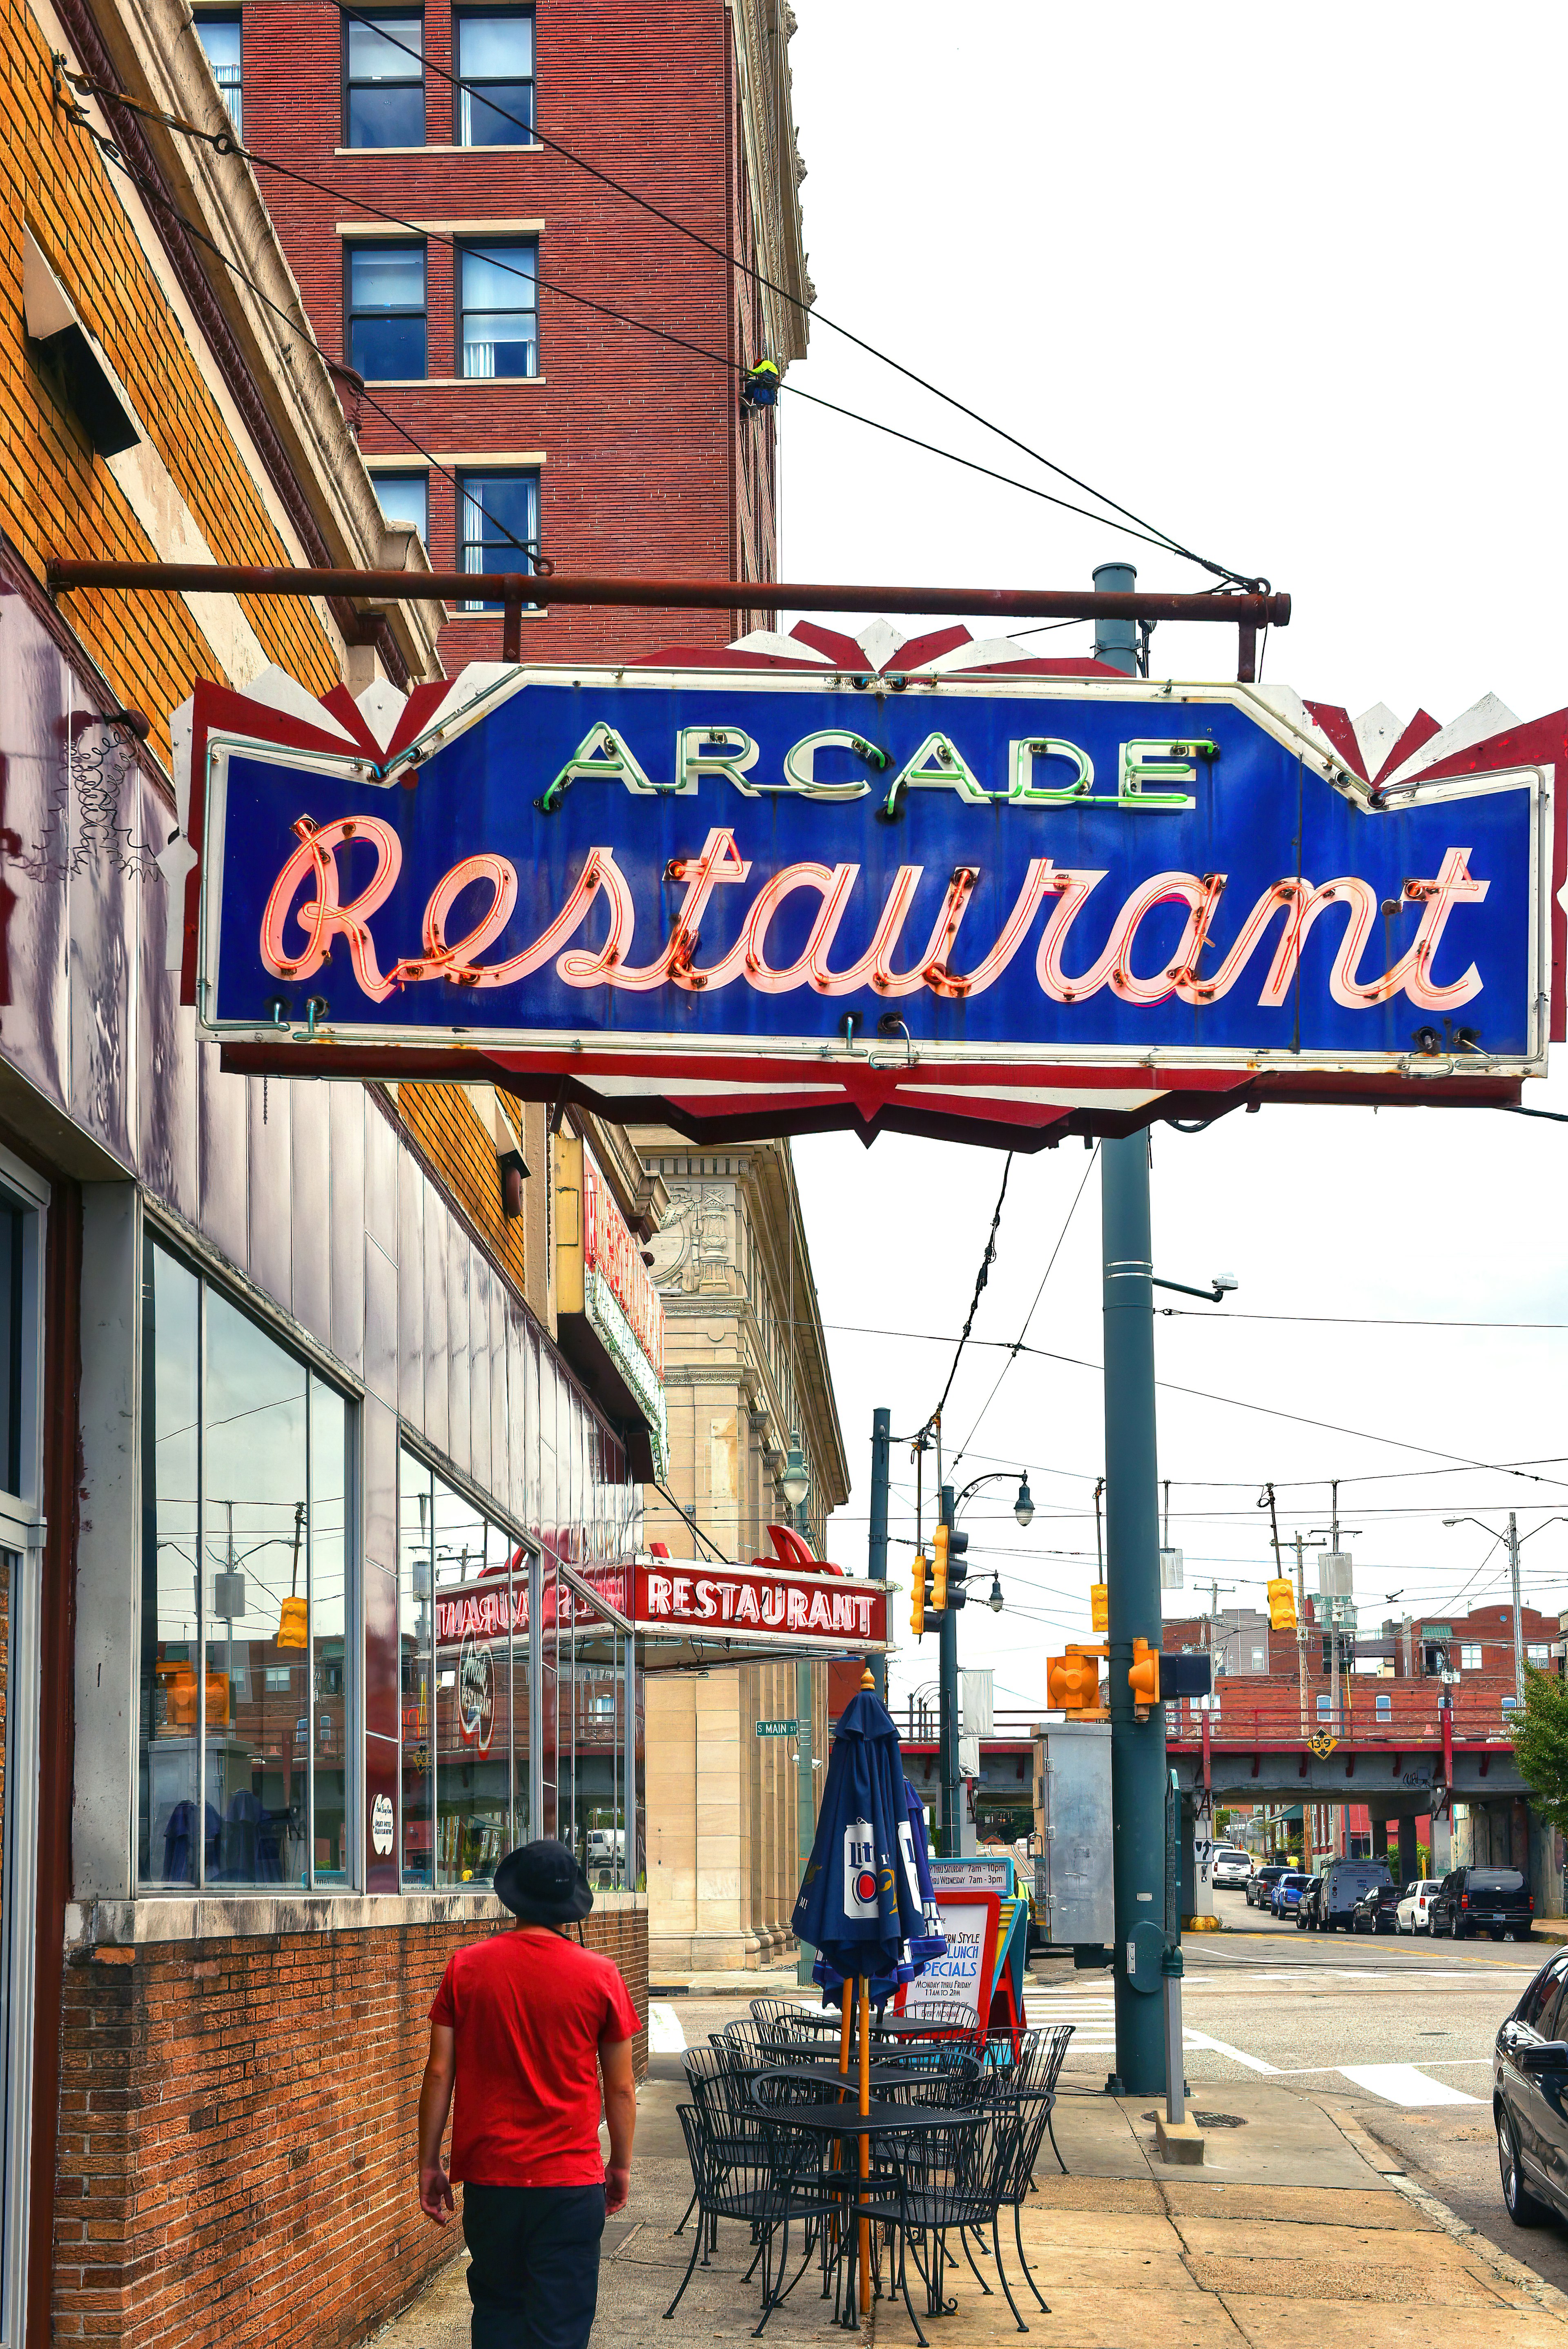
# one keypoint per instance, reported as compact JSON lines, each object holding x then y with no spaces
{"x":56,"y":496}
{"x":237,"y":2134}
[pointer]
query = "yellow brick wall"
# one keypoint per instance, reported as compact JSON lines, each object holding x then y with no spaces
{"x":55,"y":497}
{"x":442,"y":1120}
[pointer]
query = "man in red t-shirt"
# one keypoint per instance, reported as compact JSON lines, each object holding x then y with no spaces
{"x":524,"y":2024}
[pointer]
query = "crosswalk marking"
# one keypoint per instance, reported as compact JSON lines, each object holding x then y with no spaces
{"x":1403,"y":2084}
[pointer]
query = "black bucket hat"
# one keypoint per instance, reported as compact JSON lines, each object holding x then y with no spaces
{"x":541,"y":1884}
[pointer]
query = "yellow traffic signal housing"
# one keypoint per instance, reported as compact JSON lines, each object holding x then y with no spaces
{"x":1073,"y":1681}
{"x":1281,"y":1604}
{"x":1143,"y":1676}
{"x":939,"y":1569}
{"x":918,"y":1610}
{"x":1099,"y":1606}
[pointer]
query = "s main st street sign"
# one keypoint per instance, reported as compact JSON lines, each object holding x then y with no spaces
{"x":780,"y":895}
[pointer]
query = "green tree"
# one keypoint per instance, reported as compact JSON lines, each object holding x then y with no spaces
{"x":1540,"y":1744}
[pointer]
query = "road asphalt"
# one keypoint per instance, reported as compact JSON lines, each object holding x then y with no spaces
{"x":1336,"y":2192}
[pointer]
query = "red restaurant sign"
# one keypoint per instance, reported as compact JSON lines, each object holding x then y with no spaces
{"x":748,"y":1603}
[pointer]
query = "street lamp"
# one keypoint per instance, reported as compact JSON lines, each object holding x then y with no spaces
{"x":1023,"y":1507}
{"x":995,"y":1601}
{"x":796,"y":1483}
{"x":1515,"y":1541}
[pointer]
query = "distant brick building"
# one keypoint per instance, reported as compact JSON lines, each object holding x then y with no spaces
{"x":471,"y":310}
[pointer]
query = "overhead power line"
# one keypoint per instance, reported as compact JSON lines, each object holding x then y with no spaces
{"x":1017,"y":1347}
{"x":980,"y":1278}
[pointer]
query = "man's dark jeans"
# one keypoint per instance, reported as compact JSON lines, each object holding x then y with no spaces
{"x":533,"y":2275}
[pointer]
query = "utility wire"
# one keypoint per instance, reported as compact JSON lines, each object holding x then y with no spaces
{"x":722,"y":1557}
{"x":1216,"y":570}
{"x":1016,"y":1348}
{"x":982,"y":1277}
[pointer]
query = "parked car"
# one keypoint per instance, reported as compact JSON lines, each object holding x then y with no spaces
{"x":1307,"y":1907}
{"x":1345,"y":1881}
{"x":1494,"y":1900}
{"x":1232,"y":1866}
{"x":1287,"y":1892}
{"x":1377,"y":1910}
{"x":1529,"y":2093}
{"x":1414,"y":1905}
{"x":1261,"y":1882}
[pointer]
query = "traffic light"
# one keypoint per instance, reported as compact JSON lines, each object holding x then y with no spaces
{"x":918,"y":1610}
{"x":1073,"y":1682}
{"x":948,"y":1569}
{"x":1099,"y":1608}
{"x":1143,"y":1676}
{"x":1281,"y":1604}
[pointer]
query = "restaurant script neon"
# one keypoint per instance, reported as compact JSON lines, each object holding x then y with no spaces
{"x":748,"y":892}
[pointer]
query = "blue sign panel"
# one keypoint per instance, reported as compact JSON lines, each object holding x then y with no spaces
{"x":995,"y":875}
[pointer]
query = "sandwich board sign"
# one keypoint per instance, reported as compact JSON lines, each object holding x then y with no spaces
{"x":770,"y":896}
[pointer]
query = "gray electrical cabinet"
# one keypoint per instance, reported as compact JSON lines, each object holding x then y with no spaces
{"x":1073,"y":1820}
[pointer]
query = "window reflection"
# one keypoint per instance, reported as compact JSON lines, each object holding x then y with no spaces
{"x":245,"y":1568}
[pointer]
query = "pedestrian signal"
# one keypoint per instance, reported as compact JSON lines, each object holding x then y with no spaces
{"x":1143,"y":1676}
{"x":1281,"y":1604}
{"x":918,"y":1610}
{"x":939,"y":1569}
{"x":1073,"y":1682}
{"x":1099,"y":1602}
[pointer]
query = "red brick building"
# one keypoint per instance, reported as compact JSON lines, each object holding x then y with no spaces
{"x":452,"y":254}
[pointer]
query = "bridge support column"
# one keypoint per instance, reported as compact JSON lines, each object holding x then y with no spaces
{"x":1409,"y":1861}
{"x":1379,"y":1839}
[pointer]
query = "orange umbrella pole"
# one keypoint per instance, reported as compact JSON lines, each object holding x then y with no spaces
{"x":865,"y":2140}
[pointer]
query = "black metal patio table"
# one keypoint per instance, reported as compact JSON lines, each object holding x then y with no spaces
{"x":879,"y":2199}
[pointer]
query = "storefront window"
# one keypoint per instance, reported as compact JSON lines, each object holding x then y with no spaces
{"x":464,"y":1597}
{"x":244,"y":1698}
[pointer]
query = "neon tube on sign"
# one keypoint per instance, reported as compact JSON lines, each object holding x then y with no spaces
{"x":297,"y":931}
{"x":766,"y":1606}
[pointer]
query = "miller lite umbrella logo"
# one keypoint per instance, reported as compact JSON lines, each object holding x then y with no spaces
{"x":475,"y":1693}
{"x":860,"y":1883}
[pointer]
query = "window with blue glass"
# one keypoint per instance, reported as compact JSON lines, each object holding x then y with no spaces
{"x":498,"y":310}
{"x":220,"y":36}
{"x":404,"y":500}
{"x":246,"y":1690}
{"x":498,"y":524}
{"x":385,"y":311}
{"x":383,"y":81}
{"x":494,"y":96}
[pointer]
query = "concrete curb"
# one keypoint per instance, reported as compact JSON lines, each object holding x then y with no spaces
{"x":1546,"y":2296}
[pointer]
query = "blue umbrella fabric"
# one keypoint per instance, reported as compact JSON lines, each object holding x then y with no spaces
{"x":857,"y":1906}
{"x":914,"y":1854}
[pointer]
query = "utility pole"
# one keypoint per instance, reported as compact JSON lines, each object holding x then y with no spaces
{"x":948,"y":1720}
{"x":1139,"y":1782}
{"x":1518,"y":1617}
{"x":876,"y":1558}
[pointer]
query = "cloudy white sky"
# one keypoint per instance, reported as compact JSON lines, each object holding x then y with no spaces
{"x":1287,"y":284}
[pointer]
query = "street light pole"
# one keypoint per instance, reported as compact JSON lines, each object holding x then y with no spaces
{"x":947,"y":1643}
{"x":876,"y":1560}
{"x":1518,"y":1617}
{"x":1132,"y":1574}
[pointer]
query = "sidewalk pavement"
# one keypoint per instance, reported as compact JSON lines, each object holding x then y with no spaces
{"x":1295,"y":2217}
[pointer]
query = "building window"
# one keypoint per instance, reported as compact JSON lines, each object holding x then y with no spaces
{"x":495,"y":78}
{"x":464,"y":1640}
{"x":244,"y":1699}
{"x":1469,"y":1659}
{"x":498,"y":524}
{"x":498,"y":311}
{"x":1511,"y":1704}
{"x":1539,"y":1656}
{"x":405,"y":501}
{"x":384,"y":81}
{"x":1324,"y":1707}
{"x":386,"y":306}
{"x":1385,"y":1708}
{"x":220,"y":36}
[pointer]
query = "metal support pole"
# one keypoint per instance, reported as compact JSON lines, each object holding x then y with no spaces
{"x":948,"y":1731}
{"x":1175,"y":2084}
{"x":1132,"y":1574}
{"x":876,"y":1560}
{"x":1518,"y":1617}
{"x":805,"y":1798}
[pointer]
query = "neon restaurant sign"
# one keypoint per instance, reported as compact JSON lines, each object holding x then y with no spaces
{"x":753,"y":899}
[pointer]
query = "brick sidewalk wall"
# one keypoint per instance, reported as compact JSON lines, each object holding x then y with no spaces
{"x":236,"y":2146}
